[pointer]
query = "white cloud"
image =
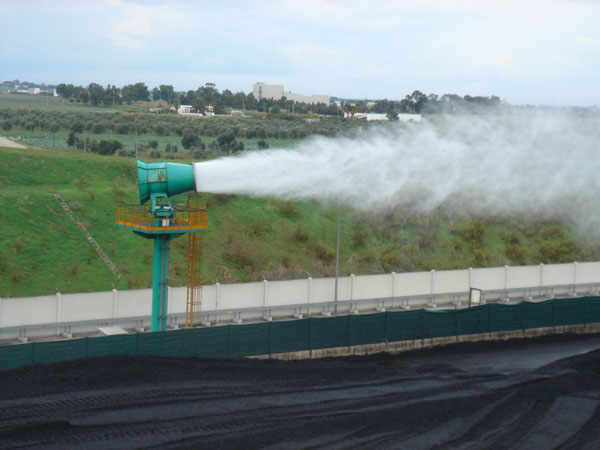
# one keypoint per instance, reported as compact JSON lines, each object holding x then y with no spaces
{"x":136,"y":25}
{"x":587,"y":41}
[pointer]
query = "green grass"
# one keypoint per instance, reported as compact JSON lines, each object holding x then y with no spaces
{"x":42,"y":250}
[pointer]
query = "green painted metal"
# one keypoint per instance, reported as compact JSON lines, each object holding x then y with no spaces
{"x":164,"y":179}
{"x":161,"y":180}
{"x":160,"y":274}
{"x":312,"y":333}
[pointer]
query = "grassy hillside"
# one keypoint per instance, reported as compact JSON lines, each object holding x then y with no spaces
{"x":248,"y":238}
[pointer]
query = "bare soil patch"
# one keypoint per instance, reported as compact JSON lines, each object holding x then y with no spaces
{"x":4,"y":142}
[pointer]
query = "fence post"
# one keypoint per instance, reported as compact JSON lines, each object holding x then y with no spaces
{"x":353,"y":308}
{"x":58,"y":311}
{"x":541,"y":280}
{"x":115,"y":300}
{"x":506,"y":268}
{"x":266,"y":316}
{"x":217,"y":298}
{"x":574,"y":278}
{"x":431,"y":298}
{"x":309,"y":279}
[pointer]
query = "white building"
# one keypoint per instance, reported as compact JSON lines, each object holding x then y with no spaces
{"x":185,"y":109}
{"x":262,"y":90}
{"x":377,"y":116}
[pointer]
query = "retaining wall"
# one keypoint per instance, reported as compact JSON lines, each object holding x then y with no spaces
{"x":318,"y":334}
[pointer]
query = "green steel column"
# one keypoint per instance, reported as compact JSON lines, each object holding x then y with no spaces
{"x":165,"y":283}
{"x":160,"y":270}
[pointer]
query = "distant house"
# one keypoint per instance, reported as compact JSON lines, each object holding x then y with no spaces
{"x":185,"y":109}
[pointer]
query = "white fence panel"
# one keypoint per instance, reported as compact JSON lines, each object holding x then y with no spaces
{"x":241,"y":295}
{"x":177,"y":300}
{"x":554,"y":274}
{"x":88,"y":306}
{"x":588,"y":272}
{"x":137,"y":302}
{"x":322,"y":290}
{"x":488,"y":279}
{"x":524,"y":276}
{"x":209,"y":297}
{"x":28,"y":310}
{"x":344,"y":288}
{"x":451,"y":281}
{"x":415,"y":283}
{"x":372,"y":286}
{"x":287,"y":292}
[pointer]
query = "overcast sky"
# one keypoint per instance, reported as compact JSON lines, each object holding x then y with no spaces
{"x":545,"y":52}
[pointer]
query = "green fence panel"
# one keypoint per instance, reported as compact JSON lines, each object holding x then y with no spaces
{"x":472,"y":320}
{"x":205,"y":342}
{"x":538,"y":315}
{"x":570,"y":311}
{"x":403,"y":326}
{"x":330,"y":332}
{"x":112,"y":345}
{"x":49,"y":352}
{"x":166,"y":343}
{"x":367,"y":329}
{"x":250,"y":339}
{"x":504,"y":317}
{"x":18,"y":355}
{"x":290,"y":336}
{"x":438,"y":324}
{"x":592,"y":309}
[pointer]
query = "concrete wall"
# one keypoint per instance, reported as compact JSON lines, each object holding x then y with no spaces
{"x":397,"y":288}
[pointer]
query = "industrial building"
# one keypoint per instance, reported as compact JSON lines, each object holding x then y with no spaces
{"x":262,"y":90}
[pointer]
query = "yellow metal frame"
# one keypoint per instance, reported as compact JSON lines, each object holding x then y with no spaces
{"x":194,"y":280}
{"x":141,"y":218}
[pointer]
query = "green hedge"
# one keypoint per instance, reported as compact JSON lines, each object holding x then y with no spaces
{"x":314,"y":333}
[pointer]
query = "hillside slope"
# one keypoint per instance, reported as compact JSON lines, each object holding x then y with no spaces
{"x":248,"y":238}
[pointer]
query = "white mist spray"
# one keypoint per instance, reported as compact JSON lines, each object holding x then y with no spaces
{"x":496,"y":164}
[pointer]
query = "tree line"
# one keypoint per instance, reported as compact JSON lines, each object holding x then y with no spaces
{"x":208,"y":95}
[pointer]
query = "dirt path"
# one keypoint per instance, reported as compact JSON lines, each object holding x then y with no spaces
{"x":4,"y":142}
{"x":537,"y":393}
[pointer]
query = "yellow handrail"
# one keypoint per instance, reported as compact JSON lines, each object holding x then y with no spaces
{"x":141,"y":218}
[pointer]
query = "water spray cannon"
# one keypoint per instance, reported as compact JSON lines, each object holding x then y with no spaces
{"x":162,"y":221}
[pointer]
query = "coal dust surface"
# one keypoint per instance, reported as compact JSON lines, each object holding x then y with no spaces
{"x":529,"y":394}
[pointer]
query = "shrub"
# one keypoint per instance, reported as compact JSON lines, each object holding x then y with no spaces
{"x":289,"y":210}
{"x":558,"y":251}
{"x":324,"y":252}
{"x":390,"y":258}
{"x":358,"y":238}
{"x":300,"y":235}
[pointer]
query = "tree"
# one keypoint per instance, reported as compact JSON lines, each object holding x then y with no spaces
{"x":71,"y":139}
{"x":392,"y":115}
{"x":190,"y":140}
{"x":96,"y":93}
{"x":167,"y":93}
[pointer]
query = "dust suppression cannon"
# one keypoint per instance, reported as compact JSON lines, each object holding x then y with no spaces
{"x":159,"y":218}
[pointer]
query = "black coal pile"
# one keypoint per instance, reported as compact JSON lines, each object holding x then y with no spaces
{"x":535,"y":393}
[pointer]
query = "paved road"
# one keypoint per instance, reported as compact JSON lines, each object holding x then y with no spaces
{"x":537,"y":393}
